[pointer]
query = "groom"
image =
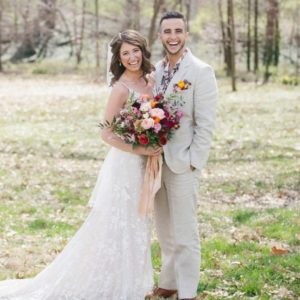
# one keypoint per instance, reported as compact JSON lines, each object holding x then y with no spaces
{"x":185,"y":155}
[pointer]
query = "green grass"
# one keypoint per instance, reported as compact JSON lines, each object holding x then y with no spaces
{"x":51,"y":152}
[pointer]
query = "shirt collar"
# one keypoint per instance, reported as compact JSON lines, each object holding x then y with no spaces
{"x":166,"y":63}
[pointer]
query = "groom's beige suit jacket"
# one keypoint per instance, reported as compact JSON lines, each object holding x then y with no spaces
{"x":191,"y":142}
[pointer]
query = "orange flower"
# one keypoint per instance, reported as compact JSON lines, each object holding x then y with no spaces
{"x":153,"y":103}
{"x":181,"y":84}
{"x":156,"y":120}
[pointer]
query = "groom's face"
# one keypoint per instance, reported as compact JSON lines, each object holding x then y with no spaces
{"x":173,"y":35}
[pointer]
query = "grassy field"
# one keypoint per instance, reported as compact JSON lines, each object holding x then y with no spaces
{"x":50,"y":154}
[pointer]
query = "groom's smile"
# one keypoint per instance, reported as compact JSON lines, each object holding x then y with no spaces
{"x":173,"y":35}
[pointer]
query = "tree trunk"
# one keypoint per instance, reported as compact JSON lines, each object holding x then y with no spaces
{"x":37,"y":32}
{"x":137,"y":10}
{"x":256,"y":53}
{"x":132,"y":11}
{"x":249,"y":36}
{"x":82,"y":31}
{"x":232,"y":43}
{"x":16,"y":31}
{"x":75,"y":36}
{"x":1,"y":12}
{"x":297,"y":41}
{"x":271,"y":37}
{"x":68,"y":31}
{"x":276,"y":41}
{"x":97,"y":49}
{"x":78,"y":36}
{"x":188,"y":13}
{"x":47,"y":18}
{"x":152,"y":30}
{"x":223,"y":32}
{"x":229,"y":39}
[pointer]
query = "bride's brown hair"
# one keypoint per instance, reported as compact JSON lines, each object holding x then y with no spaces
{"x":131,"y":37}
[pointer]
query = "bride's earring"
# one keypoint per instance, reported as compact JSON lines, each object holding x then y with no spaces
{"x":120,"y":64}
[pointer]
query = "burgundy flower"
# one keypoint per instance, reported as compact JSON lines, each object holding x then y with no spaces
{"x":162,"y":140}
{"x":167,"y":123}
{"x":143,"y":139}
{"x":158,"y":97}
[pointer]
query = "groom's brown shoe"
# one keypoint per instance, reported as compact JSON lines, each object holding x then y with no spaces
{"x":163,"y":293}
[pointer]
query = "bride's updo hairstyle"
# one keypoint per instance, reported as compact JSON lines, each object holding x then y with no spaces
{"x":134,"y":38}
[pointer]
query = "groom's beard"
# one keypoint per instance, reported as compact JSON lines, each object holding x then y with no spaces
{"x":182,"y":45}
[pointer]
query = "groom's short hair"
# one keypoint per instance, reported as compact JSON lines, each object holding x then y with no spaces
{"x":173,"y":15}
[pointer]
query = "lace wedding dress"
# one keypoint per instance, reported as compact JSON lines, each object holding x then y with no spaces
{"x":109,"y":256}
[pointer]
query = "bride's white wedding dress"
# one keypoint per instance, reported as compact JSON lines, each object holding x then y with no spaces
{"x":109,"y":257}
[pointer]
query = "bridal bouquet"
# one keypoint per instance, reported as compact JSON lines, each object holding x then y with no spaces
{"x":148,"y":121}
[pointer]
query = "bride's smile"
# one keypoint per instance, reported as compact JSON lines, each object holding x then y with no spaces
{"x":131,"y":57}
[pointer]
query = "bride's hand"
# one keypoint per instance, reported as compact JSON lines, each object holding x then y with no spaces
{"x":149,"y":151}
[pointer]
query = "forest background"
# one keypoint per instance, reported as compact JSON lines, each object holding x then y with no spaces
{"x":53,"y":89}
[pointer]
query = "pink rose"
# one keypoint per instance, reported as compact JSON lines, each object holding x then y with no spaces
{"x":147,"y":123}
{"x":157,"y":127}
{"x":157,"y":112}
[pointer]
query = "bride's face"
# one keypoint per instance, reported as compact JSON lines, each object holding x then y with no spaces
{"x":131,"y":57}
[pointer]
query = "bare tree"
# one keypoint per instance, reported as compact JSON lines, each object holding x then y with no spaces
{"x":37,"y":31}
{"x":157,"y":4}
{"x":188,"y":5}
{"x":67,"y":33}
{"x":1,"y":29}
{"x":272,"y":37}
{"x":256,"y":60}
{"x":16,"y":19}
{"x":232,"y":42}
{"x":223,"y":32}
{"x":249,"y":35}
{"x":97,"y":37}
{"x":78,"y":36}
{"x":229,"y":39}
{"x":46,"y":22}
{"x":132,"y":12}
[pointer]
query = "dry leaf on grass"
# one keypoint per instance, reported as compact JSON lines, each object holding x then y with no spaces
{"x":279,"y":251}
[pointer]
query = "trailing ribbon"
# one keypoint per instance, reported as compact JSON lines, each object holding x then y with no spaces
{"x":151,"y":184}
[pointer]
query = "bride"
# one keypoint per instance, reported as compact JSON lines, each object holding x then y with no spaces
{"x":109,"y":256}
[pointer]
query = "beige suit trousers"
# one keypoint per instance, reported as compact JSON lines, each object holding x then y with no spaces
{"x":178,"y":234}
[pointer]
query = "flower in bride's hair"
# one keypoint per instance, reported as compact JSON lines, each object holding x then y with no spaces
{"x":147,"y":123}
{"x":143,"y":139}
